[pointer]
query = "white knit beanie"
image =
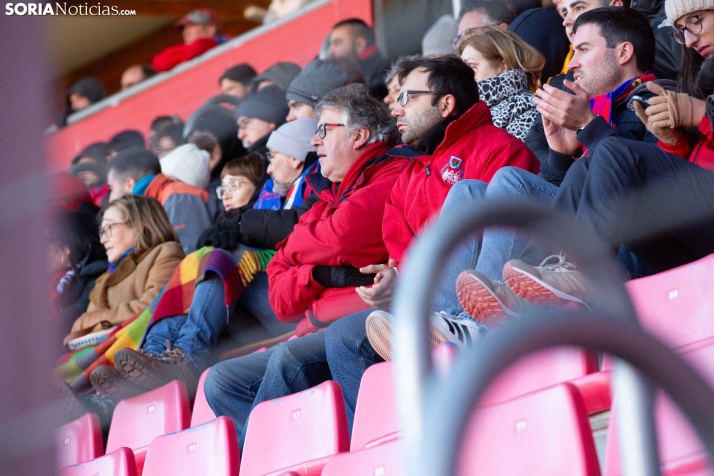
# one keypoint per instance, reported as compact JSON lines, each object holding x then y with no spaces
{"x":188,"y":164}
{"x":437,"y":39}
{"x":293,"y":138}
{"x":676,"y":9}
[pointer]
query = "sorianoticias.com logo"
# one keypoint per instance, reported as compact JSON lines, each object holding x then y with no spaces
{"x":57,"y":9}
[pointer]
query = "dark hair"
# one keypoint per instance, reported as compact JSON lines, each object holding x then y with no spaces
{"x":174,"y":132}
{"x":249,"y":166}
{"x":349,"y":65}
{"x":359,"y":29}
{"x":147,"y":70}
{"x":447,"y":75}
{"x":126,"y":139}
{"x":77,"y":231}
{"x":164,"y":121}
{"x":498,"y":11}
{"x":135,"y":162}
{"x":619,"y":25}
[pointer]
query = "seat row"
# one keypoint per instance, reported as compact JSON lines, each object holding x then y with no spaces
{"x":534,"y":419}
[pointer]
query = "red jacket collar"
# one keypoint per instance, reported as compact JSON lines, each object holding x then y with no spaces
{"x":476,"y":116}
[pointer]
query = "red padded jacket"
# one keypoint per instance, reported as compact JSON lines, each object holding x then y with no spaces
{"x":343,"y":228}
{"x":702,"y":153}
{"x":472,"y":148}
{"x":175,"y":55}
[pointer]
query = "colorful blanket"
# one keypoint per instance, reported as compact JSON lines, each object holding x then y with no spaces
{"x":236,"y":270}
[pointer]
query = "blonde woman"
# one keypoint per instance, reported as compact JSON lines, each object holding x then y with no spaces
{"x":142,"y":250}
{"x":507,"y":71}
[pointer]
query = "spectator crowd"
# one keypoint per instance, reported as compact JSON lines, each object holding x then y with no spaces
{"x":279,"y":213}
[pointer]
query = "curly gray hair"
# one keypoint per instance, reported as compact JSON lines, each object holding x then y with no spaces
{"x":360,"y":109}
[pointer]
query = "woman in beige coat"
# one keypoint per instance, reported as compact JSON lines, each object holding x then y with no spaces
{"x":143,"y":251}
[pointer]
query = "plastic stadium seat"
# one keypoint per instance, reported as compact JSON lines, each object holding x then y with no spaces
{"x":210,"y":449}
{"x":544,"y":432}
{"x":138,"y":420}
{"x":677,"y":305}
{"x":120,"y":462}
{"x":382,"y":460}
{"x":681,"y":452}
{"x":296,"y":433}
{"x":375,"y":412}
{"x":201,"y":411}
{"x":79,"y":441}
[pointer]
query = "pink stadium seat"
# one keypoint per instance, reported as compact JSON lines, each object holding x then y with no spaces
{"x":375,"y":413}
{"x":544,"y":432}
{"x":120,"y":462}
{"x":443,"y":356}
{"x":201,"y":411}
{"x":681,"y":452}
{"x":138,"y":420}
{"x":677,"y":305}
{"x":381,"y":460}
{"x":79,"y":441}
{"x":210,"y":449}
{"x":296,"y":433}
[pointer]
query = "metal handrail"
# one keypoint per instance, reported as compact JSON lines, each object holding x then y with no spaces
{"x":480,"y":366}
{"x":425,"y":261}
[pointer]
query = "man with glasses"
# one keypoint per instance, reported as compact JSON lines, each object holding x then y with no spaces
{"x":313,"y":275}
{"x":477,"y":14}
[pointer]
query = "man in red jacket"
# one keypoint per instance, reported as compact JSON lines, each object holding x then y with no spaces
{"x":313,"y":275}
{"x":201,"y":31}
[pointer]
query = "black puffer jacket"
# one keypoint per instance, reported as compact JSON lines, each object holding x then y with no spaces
{"x":73,"y":300}
{"x":668,"y":53}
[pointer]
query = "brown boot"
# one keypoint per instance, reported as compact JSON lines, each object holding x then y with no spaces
{"x":152,"y":371}
{"x":108,"y":381}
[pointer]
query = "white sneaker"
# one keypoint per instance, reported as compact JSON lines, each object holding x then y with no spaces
{"x":443,"y":327}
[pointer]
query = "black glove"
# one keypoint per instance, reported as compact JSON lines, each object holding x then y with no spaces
{"x":341,"y":276}
{"x":224,"y":235}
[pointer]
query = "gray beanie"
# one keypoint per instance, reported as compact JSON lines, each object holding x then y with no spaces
{"x":676,"y":9}
{"x":293,"y":138}
{"x":437,"y":39}
{"x":281,"y":74}
{"x":267,"y":104}
{"x":317,"y":79}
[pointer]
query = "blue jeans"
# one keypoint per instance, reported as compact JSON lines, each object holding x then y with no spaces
{"x":349,"y":355}
{"x":235,"y":386}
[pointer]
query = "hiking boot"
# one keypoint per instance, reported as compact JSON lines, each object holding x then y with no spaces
{"x":73,"y":405}
{"x":108,"y":381}
{"x":486,"y":301}
{"x":550,"y":284}
{"x":149,"y":370}
{"x":442,"y":328}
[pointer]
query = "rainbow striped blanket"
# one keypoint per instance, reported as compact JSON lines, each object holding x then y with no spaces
{"x":236,"y":270}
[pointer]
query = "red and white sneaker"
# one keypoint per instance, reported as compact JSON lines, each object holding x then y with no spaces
{"x":486,"y":301}
{"x":550,"y":284}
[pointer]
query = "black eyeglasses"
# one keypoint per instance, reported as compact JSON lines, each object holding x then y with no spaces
{"x":403,"y":97}
{"x":322,"y":129}
{"x":693,"y":26}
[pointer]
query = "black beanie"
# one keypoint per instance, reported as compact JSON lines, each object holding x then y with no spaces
{"x":267,"y":104}
{"x":242,"y":73}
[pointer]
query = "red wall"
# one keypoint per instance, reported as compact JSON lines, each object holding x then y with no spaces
{"x":298,"y":41}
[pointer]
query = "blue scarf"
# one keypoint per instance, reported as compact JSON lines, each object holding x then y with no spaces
{"x":114,"y":266}
{"x":142,"y":184}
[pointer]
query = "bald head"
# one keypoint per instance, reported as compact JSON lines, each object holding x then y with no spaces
{"x":135,"y":74}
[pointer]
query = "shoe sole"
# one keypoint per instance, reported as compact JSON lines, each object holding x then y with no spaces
{"x":478,"y":300}
{"x":137,"y":372}
{"x":533,"y":290}
{"x":381,"y":334}
{"x":110,"y":386}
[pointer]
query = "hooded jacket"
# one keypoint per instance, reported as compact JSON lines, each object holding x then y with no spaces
{"x":472,"y":148}
{"x":90,"y":87}
{"x":511,"y":104}
{"x":344,"y":228}
{"x":701,"y":153}
{"x":130,"y":288}
{"x":668,"y":53}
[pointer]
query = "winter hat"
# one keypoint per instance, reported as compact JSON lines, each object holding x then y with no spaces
{"x":437,"y":39}
{"x":99,"y":151}
{"x":281,"y":74}
{"x":317,"y":79}
{"x":293,"y":138}
{"x":99,"y":170}
{"x":126,"y":139}
{"x":242,"y":73}
{"x":90,"y":87}
{"x":189,"y":164}
{"x":676,"y":9}
{"x":267,"y":104}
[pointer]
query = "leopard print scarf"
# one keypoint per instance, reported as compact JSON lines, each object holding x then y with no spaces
{"x":510,"y":102}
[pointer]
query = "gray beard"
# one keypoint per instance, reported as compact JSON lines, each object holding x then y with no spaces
{"x":281,"y":188}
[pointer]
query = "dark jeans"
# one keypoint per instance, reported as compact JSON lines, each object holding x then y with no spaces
{"x":658,"y":205}
{"x":234,"y":387}
{"x":349,"y":355}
